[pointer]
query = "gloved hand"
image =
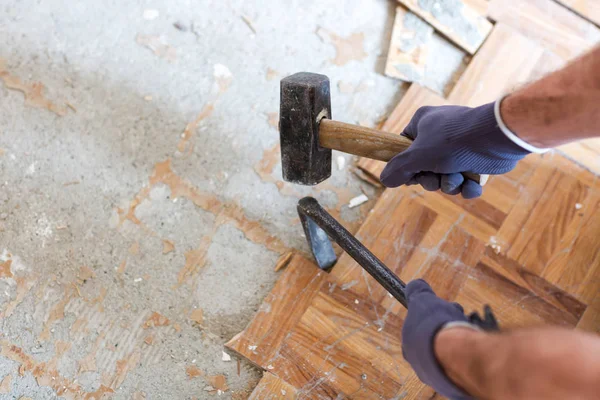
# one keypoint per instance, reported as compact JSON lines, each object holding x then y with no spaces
{"x":427,"y":315}
{"x":449,"y":140}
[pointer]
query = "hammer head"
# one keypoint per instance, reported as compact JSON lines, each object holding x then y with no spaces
{"x":305,"y":100}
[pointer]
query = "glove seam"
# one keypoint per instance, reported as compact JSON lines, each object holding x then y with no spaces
{"x":463,"y":393}
{"x":460,"y":324}
{"x":510,"y":134}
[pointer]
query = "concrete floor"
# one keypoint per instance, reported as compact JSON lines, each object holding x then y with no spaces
{"x":87,"y":199}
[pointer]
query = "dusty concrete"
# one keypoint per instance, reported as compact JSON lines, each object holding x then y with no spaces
{"x":91,"y":300}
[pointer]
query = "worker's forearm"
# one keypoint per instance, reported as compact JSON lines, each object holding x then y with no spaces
{"x":548,"y":363}
{"x":560,"y":108}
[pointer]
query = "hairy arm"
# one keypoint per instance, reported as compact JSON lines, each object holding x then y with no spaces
{"x":541,"y":363}
{"x":560,"y":108}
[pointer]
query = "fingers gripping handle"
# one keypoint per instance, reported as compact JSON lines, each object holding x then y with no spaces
{"x":370,"y":143}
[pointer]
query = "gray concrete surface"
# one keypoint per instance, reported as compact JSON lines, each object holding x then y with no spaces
{"x":79,"y":281}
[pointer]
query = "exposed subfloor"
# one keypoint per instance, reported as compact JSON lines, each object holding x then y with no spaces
{"x":140,"y":185}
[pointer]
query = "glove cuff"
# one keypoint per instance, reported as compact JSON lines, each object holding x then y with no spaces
{"x":510,"y":134}
{"x":431,"y":368}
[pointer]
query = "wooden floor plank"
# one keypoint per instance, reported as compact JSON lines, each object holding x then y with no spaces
{"x":513,"y":305}
{"x":589,"y":9}
{"x":527,"y":280}
{"x":463,"y":24}
{"x":271,"y":387}
{"x":279,"y":312}
{"x":550,"y":24}
{"x":333,"y":346}
{"x":590,"y":321}
{"x":528,"y":247}
{"x":551,"y":219}
{"x":506,"y":59}
{"x":393,"y":244}
{"x":586,"y":152}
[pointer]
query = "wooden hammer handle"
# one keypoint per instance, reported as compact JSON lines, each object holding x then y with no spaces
{"x":370,"y":143}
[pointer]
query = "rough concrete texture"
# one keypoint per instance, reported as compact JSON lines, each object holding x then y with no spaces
{"x":141,"y":183}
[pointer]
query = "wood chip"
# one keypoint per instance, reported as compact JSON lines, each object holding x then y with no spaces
{"x":168,"y":246}
{"x":197,"y":316}
{"x":248,"y":22}
{"x":71,"y":106}
{"x":155,"y":320}
{"x":219,"y":382}
{"x":283,"y":261}
{"x":192,"y":371}
{"x":71,"y":183}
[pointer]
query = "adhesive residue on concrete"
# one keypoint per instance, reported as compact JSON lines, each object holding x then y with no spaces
{"x":347,"y":49}
{"x":33,"y":92}
{"x":451,"y":13}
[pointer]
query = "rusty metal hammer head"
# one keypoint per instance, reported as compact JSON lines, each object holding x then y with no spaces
{"x":305,"y":100}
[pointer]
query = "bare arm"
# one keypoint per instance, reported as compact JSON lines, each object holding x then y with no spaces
{"x":560,"y":108}
{"x":542,"y":363}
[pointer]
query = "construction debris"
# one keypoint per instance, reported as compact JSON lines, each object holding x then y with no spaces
{"x":283,"y":261}
{"x":358,"y":200}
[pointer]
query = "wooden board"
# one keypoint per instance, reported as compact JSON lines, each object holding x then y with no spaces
{"x":589,"y":9}
{"x":505,"y":61}
{"x":271,"y":387}
{"x":585,"y":152}
{"x":528,"y":247}
{"x":550,"y":24}
{"x":279,"y":312}
{"x":526,"y":253}
{"x":467,"y":26}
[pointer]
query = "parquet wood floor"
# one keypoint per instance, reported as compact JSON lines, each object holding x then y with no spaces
{"x":529,"y":247}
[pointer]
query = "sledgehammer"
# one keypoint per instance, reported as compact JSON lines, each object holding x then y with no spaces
{"x":307,"y":133}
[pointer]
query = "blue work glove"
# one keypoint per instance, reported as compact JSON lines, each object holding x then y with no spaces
{"x":427,"y":315}
{"x":449,"y":140}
